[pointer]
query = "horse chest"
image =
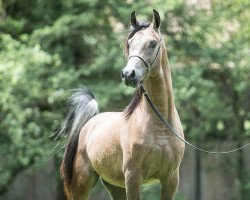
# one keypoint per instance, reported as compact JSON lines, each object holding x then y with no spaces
{"x":158,"y":155}
{"x":158,"y":142}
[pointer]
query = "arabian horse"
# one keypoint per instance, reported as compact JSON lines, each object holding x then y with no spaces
{"x":130,"y":148}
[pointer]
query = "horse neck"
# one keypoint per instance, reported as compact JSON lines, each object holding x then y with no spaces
{"x":159,"y":88}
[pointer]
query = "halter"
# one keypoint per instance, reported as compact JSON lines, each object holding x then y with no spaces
{"x":144,"y":61}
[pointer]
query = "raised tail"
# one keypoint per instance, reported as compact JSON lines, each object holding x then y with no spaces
{"x":83,"y":107}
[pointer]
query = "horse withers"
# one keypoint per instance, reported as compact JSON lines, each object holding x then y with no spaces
{"x":131,"y":148}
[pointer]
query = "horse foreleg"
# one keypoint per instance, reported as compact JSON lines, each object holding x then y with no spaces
{"x":169,"y":186}
{"x":133,"y":183}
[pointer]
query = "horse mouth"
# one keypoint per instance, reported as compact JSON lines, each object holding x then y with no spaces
{"x":131,"y":83}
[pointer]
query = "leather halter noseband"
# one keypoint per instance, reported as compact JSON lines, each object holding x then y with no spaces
{"x":144,"y":61}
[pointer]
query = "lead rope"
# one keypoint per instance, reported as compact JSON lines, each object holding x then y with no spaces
{"x":176,"y":133}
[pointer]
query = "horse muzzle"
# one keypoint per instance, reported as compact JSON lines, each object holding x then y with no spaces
{"x":129,"y":78}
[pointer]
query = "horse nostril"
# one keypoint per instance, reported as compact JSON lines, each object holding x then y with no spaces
{"x":128,"y":75}
{"x":132,"y":75}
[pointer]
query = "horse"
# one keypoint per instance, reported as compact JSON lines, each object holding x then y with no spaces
{"x":131,"y":148}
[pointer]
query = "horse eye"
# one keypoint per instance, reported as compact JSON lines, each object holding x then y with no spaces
{"x":127,"y":45}
{"x":153,"y":44}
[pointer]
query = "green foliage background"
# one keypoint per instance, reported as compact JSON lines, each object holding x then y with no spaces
{"x":49,"y":47}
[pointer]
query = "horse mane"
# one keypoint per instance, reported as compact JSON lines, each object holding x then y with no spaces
{"x":136,"y":99}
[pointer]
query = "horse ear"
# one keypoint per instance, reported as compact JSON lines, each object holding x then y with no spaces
{"x":134,"y":21}
{"x":156,"y":20}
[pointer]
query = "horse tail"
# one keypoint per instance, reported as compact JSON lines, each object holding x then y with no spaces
{"x":83,"y":107}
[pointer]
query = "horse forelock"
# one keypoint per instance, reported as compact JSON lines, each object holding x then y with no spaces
{"x":133,"y":31}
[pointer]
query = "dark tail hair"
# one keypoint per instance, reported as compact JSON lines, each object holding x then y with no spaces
{"x":83,"y":107}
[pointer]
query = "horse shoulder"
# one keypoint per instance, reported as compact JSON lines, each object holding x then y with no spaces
{"x":102,"y":145}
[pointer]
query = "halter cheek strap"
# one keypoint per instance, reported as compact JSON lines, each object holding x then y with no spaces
{"x":144,"y":61}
